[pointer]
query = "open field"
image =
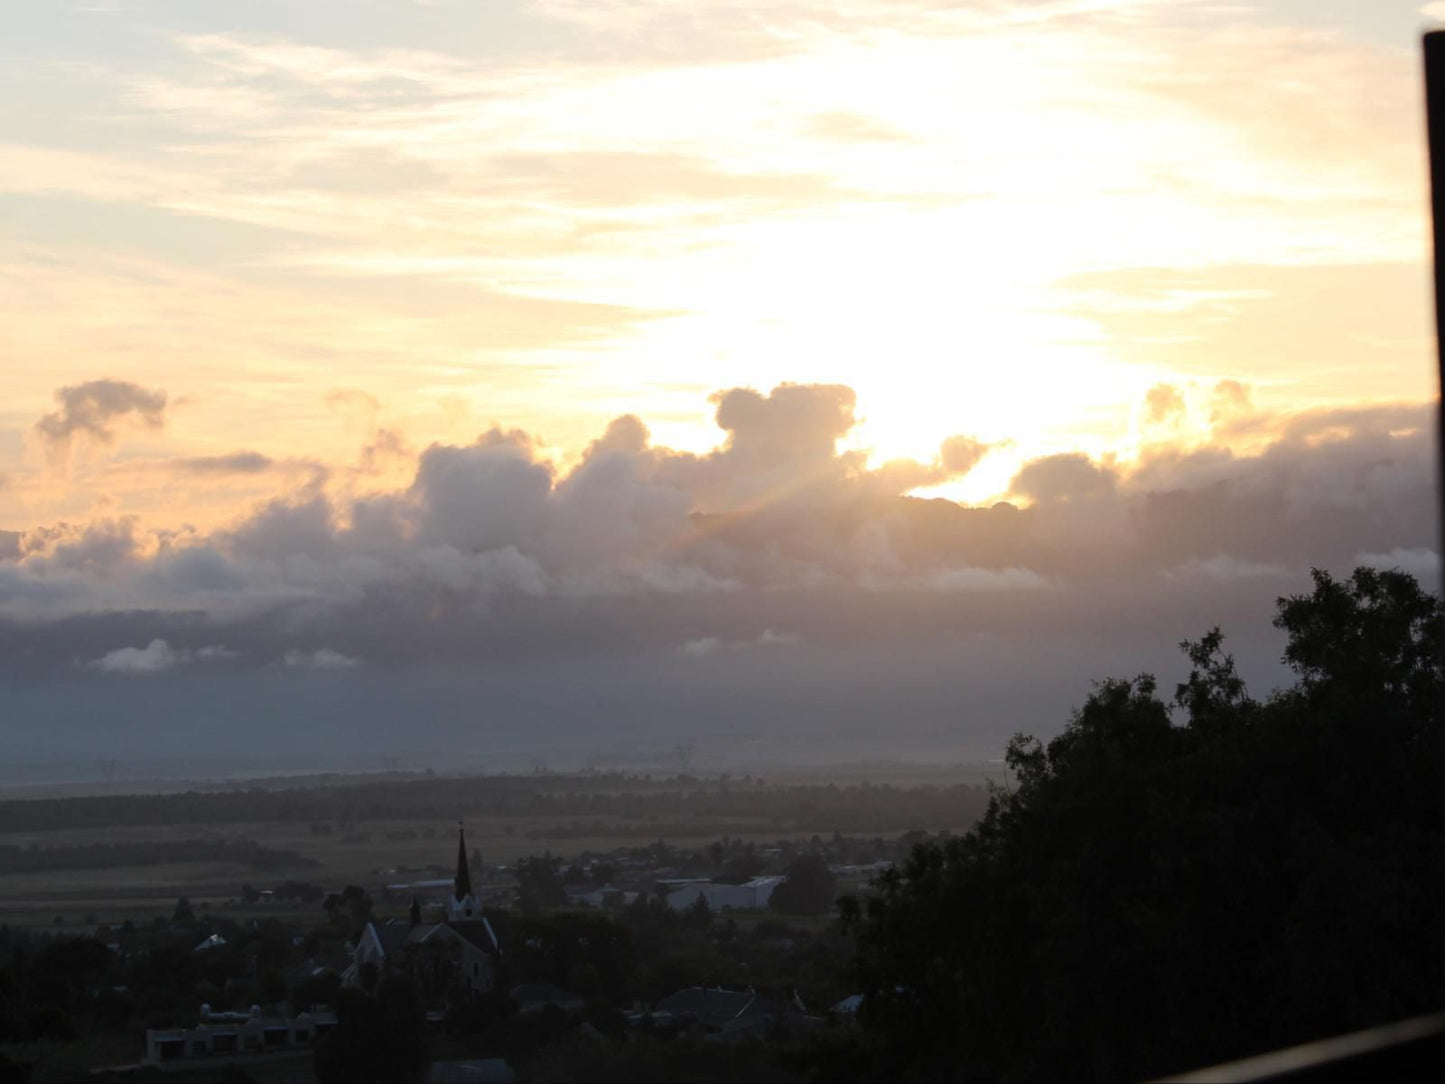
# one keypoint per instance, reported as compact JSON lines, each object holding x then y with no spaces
{"x":394,"y":847}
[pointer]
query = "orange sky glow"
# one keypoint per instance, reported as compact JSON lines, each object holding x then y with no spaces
{"x":1014,"y":220}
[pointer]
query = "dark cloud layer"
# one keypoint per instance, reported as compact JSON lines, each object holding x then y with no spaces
{"x":772,"y":579}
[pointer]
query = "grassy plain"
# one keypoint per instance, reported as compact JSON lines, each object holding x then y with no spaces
{"x":377,"y":852}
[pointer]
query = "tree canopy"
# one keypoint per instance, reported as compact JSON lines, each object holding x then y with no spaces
{"x":809,"y":888}
{"x":379,"y":1036}
{"x":1168,"y":884}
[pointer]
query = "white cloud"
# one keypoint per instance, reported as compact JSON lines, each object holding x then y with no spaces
{"x":156,"y":656}
{"x":695,"y":649}
{"x":323,"y":658}
{"x":151,"y":659}
{"x":775,"y":638}
{"x":711,"y":645}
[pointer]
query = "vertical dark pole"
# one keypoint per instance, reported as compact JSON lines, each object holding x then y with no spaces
{"x":1435,"y":118}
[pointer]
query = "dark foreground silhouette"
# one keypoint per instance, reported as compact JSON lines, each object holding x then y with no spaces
{"x":1169,"y":884}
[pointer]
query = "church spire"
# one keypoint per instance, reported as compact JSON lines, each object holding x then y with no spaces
{"x":463,"y":887}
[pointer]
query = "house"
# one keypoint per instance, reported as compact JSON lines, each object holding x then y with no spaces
{"x":712,"y":1007}
{"x":609,"y":897}
{"x":233,"y":1034}
{"x":534,"y":997}
{"x":437,"y":956}
{"x":752,"y":894}
{"x":732,"y":1015}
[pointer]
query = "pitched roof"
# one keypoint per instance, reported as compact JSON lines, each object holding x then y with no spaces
{"x":391,"y":936}
{"x":715,"y":1006}
{"x":479,"y":933}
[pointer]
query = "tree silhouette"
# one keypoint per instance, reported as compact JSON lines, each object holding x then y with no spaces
{"x":349,"y":910}
{"x":378,"y":1037}
{"x":1174,"y":884}
{"x":539,"y":882}
{"x":809,"y":889}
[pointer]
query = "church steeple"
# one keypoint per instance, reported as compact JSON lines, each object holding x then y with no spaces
{"x":463,"y":906}
{"x":463,"y":886}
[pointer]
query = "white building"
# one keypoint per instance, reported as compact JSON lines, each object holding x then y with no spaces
{"x":233,"y":1034}
{"x":753,"y":894}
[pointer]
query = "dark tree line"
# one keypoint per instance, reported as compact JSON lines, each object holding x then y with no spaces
{"x":246,"y":852}
{"x":598,"y":802}
{"x":1172,"y":883}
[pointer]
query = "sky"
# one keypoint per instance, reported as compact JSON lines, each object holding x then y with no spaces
{"x":610,"y":373}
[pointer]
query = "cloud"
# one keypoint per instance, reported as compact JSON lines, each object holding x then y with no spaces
{"x":621,"y":615}
{"x":1163,"y":403}
{"x":960,"y":454}
{"x":491,"y":551}
{"x":354,"y":405}
{"x":386,"y":448}
{"x":769,"y":638}
{"x":94,"y":410}
{"x":98,"y":547}
{"x":779,"y":447}
{"x":191,"y":569}
{"x":1420,"y":562}
{"x":625,"y":434}
{"x":158,"y":656}
{"x":286,"y":528}
{"x":153,"y":658}
{"x":695,"y":649}
{"x":1229,"y":404}
{"x":1063,"y":477}
{"x":323,"y":658}
{"x":776,"y":638}
{"x":485,"y":496}
{"x":235,"y":463}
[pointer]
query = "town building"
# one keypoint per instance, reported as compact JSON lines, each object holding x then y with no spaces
{"x":226,"y":1035}
{"x":462,"y":952}
{"x":727,"y":1015}
{"x":753,"y":894}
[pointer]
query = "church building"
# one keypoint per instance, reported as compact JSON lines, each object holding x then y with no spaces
{"x":461,"y":951}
